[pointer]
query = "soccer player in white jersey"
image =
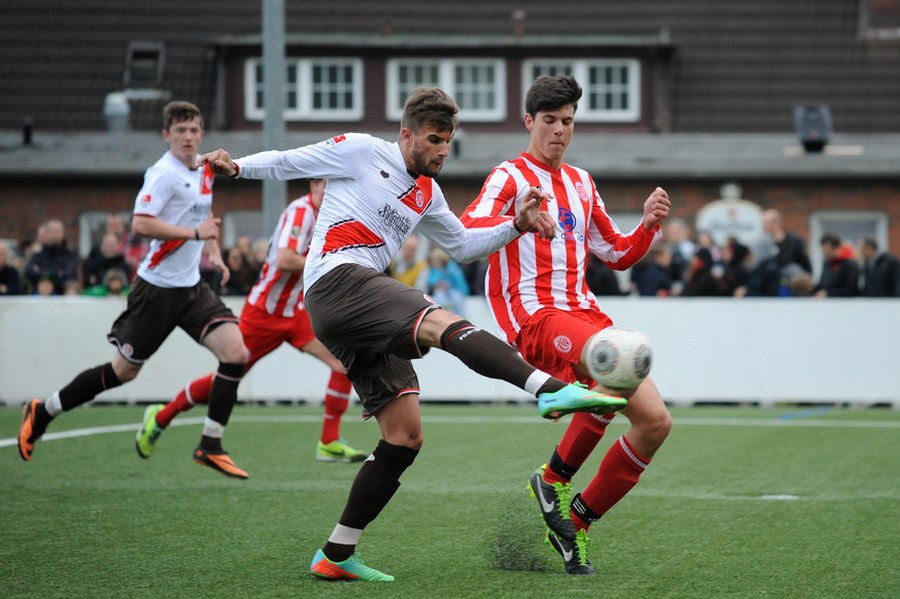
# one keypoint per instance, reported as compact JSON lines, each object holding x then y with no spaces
{"x":378,"y":193}
{"x":173,"y":208}
{"x":537,"y":292}
{"x":274,"y":314}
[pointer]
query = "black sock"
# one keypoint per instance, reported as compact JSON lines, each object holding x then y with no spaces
{"x":372,"y":489}
{"x":561,"y":468}
{"x":223,"y":394}
{"x":485,"y":354}
{"x":87,"y":385}
{"x":580,"y":509}
{"x":552,"y":385}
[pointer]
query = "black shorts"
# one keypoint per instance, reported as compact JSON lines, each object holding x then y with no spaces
{"x":153,"y":313}
{"x":369,"y":322}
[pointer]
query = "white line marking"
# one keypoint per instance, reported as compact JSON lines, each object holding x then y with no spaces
{"x":301,"y":418}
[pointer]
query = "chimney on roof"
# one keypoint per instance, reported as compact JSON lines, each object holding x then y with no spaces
{"x":518,"y":22}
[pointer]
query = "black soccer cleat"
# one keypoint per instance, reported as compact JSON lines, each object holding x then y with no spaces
{"x":574,"y":553}
{"x":554,"y":501}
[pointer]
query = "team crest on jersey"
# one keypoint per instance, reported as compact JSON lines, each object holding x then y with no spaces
{"x":563,"y":344}
{"x":206,"y":182}
{"x":295,"y":231}
{"x":567,"y":222}
{"x":127,"y":350}
{"x":581,"y":191}
{"x":146,"y":199}
{"x":335,"y":140}
{"x":416,"y":198}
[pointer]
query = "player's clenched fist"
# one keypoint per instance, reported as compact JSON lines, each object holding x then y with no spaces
{"x":220,"y":162}
{"x":656,"y":208}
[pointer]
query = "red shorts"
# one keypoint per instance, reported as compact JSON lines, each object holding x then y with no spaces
{"x":552,"y":340}
{"x":264,"y":333}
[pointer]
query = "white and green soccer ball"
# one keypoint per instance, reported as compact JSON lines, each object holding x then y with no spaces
{"x":619,"y":357}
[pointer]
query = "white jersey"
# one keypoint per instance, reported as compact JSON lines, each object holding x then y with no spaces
{"x":281,"y":293}
{"x":179,"y":196}
{"x":372,"y":204}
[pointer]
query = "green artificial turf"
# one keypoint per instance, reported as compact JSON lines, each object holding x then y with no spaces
{"x":740,"y":502}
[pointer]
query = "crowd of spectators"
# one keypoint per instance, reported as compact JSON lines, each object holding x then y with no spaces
{"x":681,"y":264}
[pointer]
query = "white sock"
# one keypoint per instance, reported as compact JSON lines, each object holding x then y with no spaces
{"x":53,"y":405}
{"x":344,"y":535}
{"x":536,"y":381}
{"x":211,"y":428}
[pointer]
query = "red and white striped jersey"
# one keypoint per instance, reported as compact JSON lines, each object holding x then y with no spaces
{"x":532,"y":273}
{"x":277,"y":292}
{"x":179,"y":196}
{"x":372,"y":204}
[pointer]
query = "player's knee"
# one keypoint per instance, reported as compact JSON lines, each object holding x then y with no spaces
{"x":126,"y":371}
{"x":234,"y":353}
{"x":657,"y":426}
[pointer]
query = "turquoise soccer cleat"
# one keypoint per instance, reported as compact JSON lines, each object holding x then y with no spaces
{"x":351,"y":568}
{"x":577,"y":398}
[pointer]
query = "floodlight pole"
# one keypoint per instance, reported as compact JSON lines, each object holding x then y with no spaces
{"x":274,"y":192}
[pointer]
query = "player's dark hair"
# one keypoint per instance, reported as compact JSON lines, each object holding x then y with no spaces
{"x":179,"y":112}
{"x":429,"y":106}
{"x":552,"y":92}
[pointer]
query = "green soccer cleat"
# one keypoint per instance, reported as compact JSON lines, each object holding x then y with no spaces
{"x":351,"y":568}
{"x":146,"y":437}
{"x":339,"y":451}
{"x":574,"y":553}
{"x":554,"y":501}
{"x":577,"y":398}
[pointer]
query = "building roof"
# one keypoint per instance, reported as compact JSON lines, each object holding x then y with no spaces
{"x":622,"y":156}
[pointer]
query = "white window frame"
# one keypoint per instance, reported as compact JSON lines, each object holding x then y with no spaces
{"x":580,"y":69}
{"x":447,"y":82}
{"x":303,"y":88}
{"x":828,"y":221}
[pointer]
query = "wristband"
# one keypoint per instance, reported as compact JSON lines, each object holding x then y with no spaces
{"x":516,"y":227}
{"x":237,"y":170}
{"x":197,"y":234}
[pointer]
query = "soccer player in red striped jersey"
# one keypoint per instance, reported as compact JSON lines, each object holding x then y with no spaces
{"x":274,"y":314}
{"x":173,"y":209}
{"x":537,"y":292}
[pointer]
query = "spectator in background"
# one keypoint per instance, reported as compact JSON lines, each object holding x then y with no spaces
{"x":243,"y":276}
{"x":132,"y":247}
{"x":677,"y":235}
{"x":703,"y":279}
{"x":474,"y":272}
{"x":881,"y":271}
{"x":600,"y":278}
{"x":103,"y":257}
{"x":840,"y":272}
{"x":446,"y":282}
{"x":245,"y":244}
{"x":736,"y":274}
{"x":653,"y":276}
{"x":10,"y":278}
{"x":55,"y":261}
{"x":408,"y":266}
{"x":259,"y":249}
{"x":115,"y":282}
{"x":44,"y":287}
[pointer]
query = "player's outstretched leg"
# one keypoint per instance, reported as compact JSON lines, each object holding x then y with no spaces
{"x":150,"y":431}
{"x":577,"y":398}
{"x":554,"y":501}
{"x":574,"y":553}
{"x":219,"y":461}
{"x":352,"y":568}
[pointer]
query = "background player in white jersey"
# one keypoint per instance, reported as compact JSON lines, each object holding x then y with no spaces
{"x":538,"y":294}
{"x":378,"y":193}
{"x":274,"y":314}
{"x":173,"y":208}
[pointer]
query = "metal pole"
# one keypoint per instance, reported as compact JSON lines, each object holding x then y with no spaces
{"x":274,"y":70}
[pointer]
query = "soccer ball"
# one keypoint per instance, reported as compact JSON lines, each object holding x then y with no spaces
{"x":619,"y":358}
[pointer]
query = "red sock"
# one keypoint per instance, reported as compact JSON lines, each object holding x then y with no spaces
{"x":581,"y":437}
{"x":619,"y":471}
{"x":337,"y":396}
{"x":197,"y":391}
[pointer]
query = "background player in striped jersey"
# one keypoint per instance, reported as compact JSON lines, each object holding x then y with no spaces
{"x":173,"y":208}
{"x":538,"y":294}
{"x":378,"y":194}
{"x":274,"y":314}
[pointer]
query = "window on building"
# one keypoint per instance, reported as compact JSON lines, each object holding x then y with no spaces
{"x":316,"y":89}
{"x":144,"y":65}
{"x":849,"y":225}
{"x":478,"y":85}
{"x":612,"y":90}
{"x":92,"y":226}
{"x":879,"y":19}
